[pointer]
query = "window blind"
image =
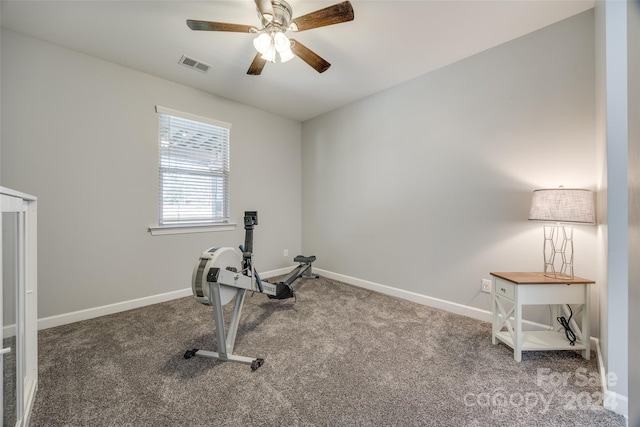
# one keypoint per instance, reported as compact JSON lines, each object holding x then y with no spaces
{"x":193,"y":169}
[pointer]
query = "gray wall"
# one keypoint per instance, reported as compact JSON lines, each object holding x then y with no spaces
{"x":81,"y":135}
{"x":426,"y":186}
{"x":601,"y":172}
{"x":633,"y":49}
{"x":612,"y":138}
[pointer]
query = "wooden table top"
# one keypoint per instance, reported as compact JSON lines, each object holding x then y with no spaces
{"x":538,"y":278}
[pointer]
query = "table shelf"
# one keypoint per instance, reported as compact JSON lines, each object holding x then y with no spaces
{"x":541,"y":340}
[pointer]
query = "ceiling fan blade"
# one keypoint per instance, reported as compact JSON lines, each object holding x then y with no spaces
{"x":309,"y":56}
{"x":218,"y":26}
{"x":266,"y":9}
{"x":257,"y":65}
{"x":341,"y":12}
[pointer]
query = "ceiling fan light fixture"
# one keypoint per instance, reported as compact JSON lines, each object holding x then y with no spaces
{"x":283,"y":46}
{"x":281,"y":42}
{"x":269,"y":54}
{"x":286,"y":55}
{"x":262,"y":43}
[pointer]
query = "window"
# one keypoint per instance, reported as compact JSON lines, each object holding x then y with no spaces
{"x":193,"y":170}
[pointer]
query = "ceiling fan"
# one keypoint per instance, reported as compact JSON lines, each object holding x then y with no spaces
{"x":276,"y":20}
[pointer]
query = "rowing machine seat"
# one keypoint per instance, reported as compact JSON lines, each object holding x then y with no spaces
{"x":305,"y":259}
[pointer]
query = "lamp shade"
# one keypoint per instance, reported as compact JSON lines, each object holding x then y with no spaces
{"x":570,"y":205}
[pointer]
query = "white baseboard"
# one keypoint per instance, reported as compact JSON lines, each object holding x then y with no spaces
{"x":274,"y":273}
{"x":30,"y":400}
{"x":617,"y":403}
{"x":9,"y":331}
{"x":91,"y":313}
{"x":452,"y":307}
{"x":611,"y":400}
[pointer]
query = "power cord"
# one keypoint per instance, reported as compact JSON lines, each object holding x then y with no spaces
{"x":571,"y":336}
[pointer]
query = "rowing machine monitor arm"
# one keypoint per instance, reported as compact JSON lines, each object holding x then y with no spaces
{"x":250,"y":221}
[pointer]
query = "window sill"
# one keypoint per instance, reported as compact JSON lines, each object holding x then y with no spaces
{"x":161,"y":230}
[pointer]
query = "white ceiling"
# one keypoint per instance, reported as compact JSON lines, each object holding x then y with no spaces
{"x":388,"y":42}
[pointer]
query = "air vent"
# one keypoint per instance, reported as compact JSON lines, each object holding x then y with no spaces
{"x":194,"y":63}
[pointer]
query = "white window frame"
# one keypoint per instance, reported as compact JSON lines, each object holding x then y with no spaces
{"x":176,"y":226}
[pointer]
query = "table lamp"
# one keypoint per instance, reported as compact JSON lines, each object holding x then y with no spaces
{"x":562,"y":206}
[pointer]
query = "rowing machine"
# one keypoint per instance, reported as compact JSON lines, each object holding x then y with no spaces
{"x":221,"y":274}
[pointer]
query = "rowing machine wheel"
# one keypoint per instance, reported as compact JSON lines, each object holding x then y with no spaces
{"x":256,"y":364}
{"x":190,"y":353}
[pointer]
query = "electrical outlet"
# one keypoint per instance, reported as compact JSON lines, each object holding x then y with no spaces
{"x":286,"y":252}
{"x":485,"y":286}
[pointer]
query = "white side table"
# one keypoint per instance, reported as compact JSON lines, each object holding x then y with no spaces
{"x":511,"y":291}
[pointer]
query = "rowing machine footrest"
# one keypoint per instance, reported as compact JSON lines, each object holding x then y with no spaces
{"x":305,"y":259}
{"x":283,"y":291}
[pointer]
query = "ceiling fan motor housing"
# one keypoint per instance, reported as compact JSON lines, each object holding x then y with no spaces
{"x":282,"y":14}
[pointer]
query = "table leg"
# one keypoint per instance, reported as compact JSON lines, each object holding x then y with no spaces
{"x":517,"y":350}
{"x":494,"y":316}
{"x":586,"y":321}
{"x":554,"y":318}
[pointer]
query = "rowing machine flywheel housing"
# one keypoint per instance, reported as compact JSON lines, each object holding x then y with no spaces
{"x":221,"y":258}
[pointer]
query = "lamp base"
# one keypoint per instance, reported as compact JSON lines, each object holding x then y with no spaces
{"x":558,"y":249}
